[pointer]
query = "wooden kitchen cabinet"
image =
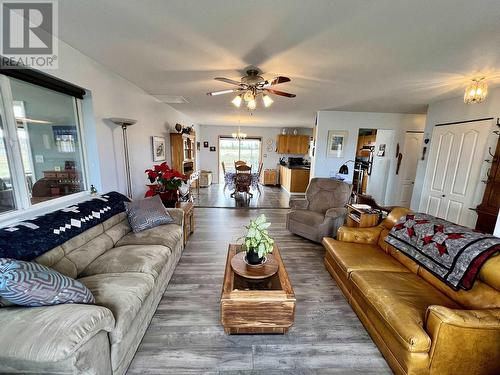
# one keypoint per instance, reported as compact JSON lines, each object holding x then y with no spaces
{"x":269,"y":177}
{"x":292,"y":144}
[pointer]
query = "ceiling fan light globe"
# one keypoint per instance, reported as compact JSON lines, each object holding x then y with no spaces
{"x":267,"y":101}
{"x":248,"y":96}
{"x":252,"y":104}
{"x":237,"y":101}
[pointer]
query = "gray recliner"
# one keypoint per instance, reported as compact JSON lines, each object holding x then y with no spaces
{"x":322,"y":211}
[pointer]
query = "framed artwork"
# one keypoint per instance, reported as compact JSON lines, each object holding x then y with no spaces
{"x":198,"y":146}
{"x":337,"y":141}
{"x":159,"y":145}
{"x":212,"y":148}
{"x":205,"y":144}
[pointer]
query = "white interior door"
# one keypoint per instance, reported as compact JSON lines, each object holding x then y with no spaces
{"x":412,"y":149}
{"x":453,"y":171}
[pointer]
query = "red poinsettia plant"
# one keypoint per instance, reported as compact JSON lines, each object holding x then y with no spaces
{"x":163,"y":179}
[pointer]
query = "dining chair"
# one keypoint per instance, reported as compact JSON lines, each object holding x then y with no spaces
{"x":243,"y":168}
{"x":243,"y":181}
{"x":239,"y":162}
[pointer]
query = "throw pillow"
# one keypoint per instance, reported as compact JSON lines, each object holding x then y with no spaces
{"x":147,"y":213}
{"x":32,"y":284}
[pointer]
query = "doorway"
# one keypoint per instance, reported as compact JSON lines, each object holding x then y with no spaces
{"x":231,"y":150}
{"x":408,"y":167}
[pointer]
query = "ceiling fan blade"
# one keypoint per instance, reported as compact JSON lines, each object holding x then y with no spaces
{"x":227,"y":80}
{"x":222,"y":92}
{"x":276,"y":81}
{"x":281,"y":93}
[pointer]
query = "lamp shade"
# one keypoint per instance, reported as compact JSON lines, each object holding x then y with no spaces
{"x":343,"y":169}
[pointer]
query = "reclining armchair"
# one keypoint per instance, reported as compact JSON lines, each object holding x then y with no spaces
{"x":322,"y":211}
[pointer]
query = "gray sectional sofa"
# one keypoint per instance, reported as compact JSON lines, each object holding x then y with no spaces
{"x":127,"y":273}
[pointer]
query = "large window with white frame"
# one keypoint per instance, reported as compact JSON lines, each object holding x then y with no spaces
{"x":41,"y":145}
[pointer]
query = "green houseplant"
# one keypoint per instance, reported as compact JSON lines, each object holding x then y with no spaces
{"x":257,"y":242}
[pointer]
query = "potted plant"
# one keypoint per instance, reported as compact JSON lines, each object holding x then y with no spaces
{"x":257,"y":241}
{"x":165,"y":182}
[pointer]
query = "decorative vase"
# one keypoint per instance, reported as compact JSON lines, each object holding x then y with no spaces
{"x":169,"y":198}
{"x":253,"y":258}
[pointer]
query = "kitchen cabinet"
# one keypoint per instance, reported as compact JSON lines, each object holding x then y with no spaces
{"x":294,"y":180}
{"x":365,"y":140}
{"x":292,"y":144}
{"x":269,"y":177}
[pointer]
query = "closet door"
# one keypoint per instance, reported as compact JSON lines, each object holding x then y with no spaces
{"x":453,"y":171}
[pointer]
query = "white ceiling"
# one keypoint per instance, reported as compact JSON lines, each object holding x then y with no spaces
{"x":356,"y":55}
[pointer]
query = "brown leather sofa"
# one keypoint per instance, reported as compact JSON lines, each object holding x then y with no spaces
{"x":420,"y":325}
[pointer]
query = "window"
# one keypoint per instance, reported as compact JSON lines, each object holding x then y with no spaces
{"x":41,"y":155}
{"x":231,"y":150}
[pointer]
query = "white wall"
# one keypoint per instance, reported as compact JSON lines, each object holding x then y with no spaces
{"x":323,"y":166}
{"x":114,"y":96}
{"x":211,"y":133}
{"x":452,"y":110}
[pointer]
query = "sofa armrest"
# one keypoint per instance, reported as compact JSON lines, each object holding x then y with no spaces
{"x":298,"y":203}
{"x":50,"y":333}
{"x":359,"y":235}
{"x":177,"y":214}
{"x":336,"y":212}
{"x":463,"y":341}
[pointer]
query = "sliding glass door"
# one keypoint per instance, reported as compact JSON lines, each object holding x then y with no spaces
{"x":231,"y":150}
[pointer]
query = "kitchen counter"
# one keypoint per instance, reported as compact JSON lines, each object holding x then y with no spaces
{"x":306,"y":167}
{"x":294,"y":179}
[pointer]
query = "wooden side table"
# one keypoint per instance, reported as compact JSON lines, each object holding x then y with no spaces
{"x":361,"y":218}
{"x":188,"y":208}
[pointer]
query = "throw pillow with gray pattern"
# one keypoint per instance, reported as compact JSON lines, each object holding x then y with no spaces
{"x":147,"y":213}
{"x":32,"y":284}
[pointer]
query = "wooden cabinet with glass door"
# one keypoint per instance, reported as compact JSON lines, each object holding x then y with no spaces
{"x":183,"y":148}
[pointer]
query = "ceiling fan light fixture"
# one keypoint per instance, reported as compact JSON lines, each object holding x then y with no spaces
{"x":252,"y":104}
{"x":267,"y":101}
{"x":237,"y":101}
{"x":476,"y":92}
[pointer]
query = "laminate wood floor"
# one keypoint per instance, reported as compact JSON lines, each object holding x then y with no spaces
{"x":216,"y":196}
{"x":186,"y":337}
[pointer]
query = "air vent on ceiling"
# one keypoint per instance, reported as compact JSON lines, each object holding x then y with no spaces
{"x":171,"y":99}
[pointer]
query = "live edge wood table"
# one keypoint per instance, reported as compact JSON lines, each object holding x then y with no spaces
{"x":256,"y":306}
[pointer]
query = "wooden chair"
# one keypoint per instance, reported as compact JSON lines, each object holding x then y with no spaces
{"x":243,"y":169}
{"x":238,"y":163}
{"x":243,"y":181}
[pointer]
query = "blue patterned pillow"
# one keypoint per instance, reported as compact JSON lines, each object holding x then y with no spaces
{"x":147,"y":213}
{"x":31,"y":284}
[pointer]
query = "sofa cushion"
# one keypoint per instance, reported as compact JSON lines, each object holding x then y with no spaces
{"x":32,"y":284}
{"x":166,"y":235}
{"x":51,"y":333}
{"x":148,"y":259}
{"x":401,"y":300}
{"x":147,"y":213}
{"x":361,"y":257}
{"x":123,"y":294}
{"x":311,"y":218}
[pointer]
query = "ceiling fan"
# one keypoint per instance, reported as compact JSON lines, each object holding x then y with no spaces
{"x":250,"y":87}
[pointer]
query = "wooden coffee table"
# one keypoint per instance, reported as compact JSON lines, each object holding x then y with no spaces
{"x":256,"y":306}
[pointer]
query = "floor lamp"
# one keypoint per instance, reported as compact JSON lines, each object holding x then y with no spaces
{"x":125,"y":123}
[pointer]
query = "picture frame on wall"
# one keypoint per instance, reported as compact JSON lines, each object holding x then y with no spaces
{"x":159,"y":147}
{"x":205,"y":144}
{"x":337,"y":141}
{"x":212,"y":148}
